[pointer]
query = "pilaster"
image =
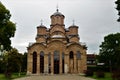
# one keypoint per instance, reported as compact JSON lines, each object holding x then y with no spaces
{"x":75,"y":66}
{"x":52,"y":64}
{"x":60,"y":64}
{"x":46,"y":64}
{"x":29,"y":63}
{"x":66,"y":63}
{"x":38,"y":63}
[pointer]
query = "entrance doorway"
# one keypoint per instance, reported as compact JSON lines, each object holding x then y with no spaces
{"x":56,"y":62}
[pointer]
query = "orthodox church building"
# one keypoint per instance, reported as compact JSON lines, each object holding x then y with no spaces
{"x":57,"y":49}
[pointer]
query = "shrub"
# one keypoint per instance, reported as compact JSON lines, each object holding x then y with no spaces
{"x":116,"y":75}
{"x":8,"y":74}
{"x":92,"y":68}
{"x":98,"y":68}
{"x":100,"y":74}
{"x":88,"y":73}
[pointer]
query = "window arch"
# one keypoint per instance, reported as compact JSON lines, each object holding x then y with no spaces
{"x":42,"y":54}
{"x":71,"y":55}
{"x":58,"y":33}
{"x":78,"y":55}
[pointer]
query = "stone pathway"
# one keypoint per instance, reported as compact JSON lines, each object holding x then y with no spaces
{"x":55,"y":77}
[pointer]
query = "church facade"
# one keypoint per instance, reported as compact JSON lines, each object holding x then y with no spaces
{"x":57,"y":49}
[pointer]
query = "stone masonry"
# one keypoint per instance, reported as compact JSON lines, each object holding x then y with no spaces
{"x":57,"y":49}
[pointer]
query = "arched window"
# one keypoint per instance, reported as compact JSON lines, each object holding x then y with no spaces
{"x":78,"y":55}
{"x":56,"y":55}
{"x":56,"y":62}
{"x":34,"y":62}
{"x":49,"y":62}
{"x":42,"y":54}
{"x":63,"y":56}
{"x":41,"y":62}
{"x":71,"y":55}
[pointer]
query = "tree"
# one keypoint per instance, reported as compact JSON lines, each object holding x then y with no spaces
{"x":110,"y":50}
{"x":7,"y":28}
{"x":24,"y":62}
{"x":118,"y":8}
{"x":13,"y":61}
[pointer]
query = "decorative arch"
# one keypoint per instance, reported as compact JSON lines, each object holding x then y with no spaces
{"x":34,"y":45}
{"x":41,"y":62}
{"x":55,"y":45}
{"x":34,"y":69}
{"x":57,"y":28}
{"x":58,"y":33}
{"x":74,"y":45}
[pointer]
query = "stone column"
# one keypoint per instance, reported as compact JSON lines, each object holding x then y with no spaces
{"x":46,"y":63}
{"x":52,"y":63}
{"x":66,"y":63}
{"x":71,"y":65}
{"x":79,"y":63}
{"x":29,"y":63}
{"x":60,"y":63}
{"x":38,"y":63}
{"x":75,"y":66}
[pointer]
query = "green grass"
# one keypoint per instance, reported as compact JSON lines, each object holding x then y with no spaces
{"x":2,"y":77}
{"x":107,"y":77}
{"x":14,"y":75}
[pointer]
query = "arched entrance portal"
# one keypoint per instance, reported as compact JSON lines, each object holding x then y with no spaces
{"x":34,"y":69}
{"x":41,"y":62}
{"x":56,"y":62}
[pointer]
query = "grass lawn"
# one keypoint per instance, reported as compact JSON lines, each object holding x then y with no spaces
{"x":107,"y":77}
{"x":14,"y":75}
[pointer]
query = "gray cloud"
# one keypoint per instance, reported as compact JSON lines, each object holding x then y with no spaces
{"x":95,"y":18}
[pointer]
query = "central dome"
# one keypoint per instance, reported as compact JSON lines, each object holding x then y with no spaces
{"x":57,"y":13}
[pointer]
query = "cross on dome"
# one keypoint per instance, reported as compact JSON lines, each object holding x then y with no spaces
{"x":57,"y":8}
{"x":41,"y":22}
{"x":73,"y":22}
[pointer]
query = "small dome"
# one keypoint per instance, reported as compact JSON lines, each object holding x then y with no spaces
{"x":57,"y":13}
{"x":41,"y":25}
{"x":73,"y":25}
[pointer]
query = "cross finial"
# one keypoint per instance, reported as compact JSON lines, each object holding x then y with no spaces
{"x":57,"y":8}
{"x":41,"y":22}
{"x":73,"y":22}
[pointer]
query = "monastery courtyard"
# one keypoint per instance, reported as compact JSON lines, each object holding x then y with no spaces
{"x":55,"y":77}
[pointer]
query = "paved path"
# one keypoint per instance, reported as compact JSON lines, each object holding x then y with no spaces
{"x":55,"y":77}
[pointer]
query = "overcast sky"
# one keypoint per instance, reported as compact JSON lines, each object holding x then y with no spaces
{"x":95,"y":18}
